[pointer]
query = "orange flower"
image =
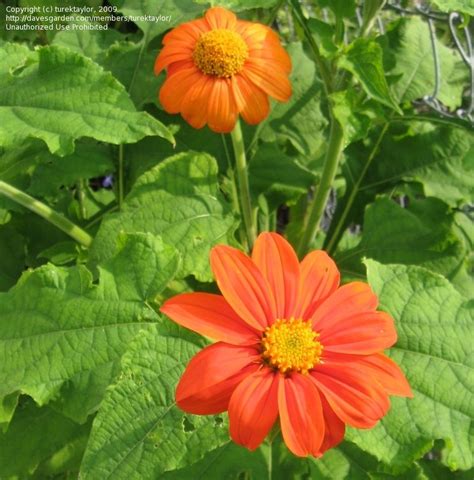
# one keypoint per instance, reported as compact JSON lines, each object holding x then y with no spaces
{"x":218,"y":67}
{"x":291,"y":344}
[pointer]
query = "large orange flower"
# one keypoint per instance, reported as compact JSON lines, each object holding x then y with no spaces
{"x":291,"y":344}
{"x":218,"y":67}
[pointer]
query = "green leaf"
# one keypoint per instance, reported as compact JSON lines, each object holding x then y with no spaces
{"x":421,"y":234}
{"x":62,"y":333}
{"x":239,"y":5}
{"x":12,"y":256}
{"x":342,"y":8}
{"x":230,"y":461}
{"x":132,"y":64}
{"x":364,"y":59}
{"x":355,"y":114}
{"x":180,"y":200}
{"x":348,"y":462}
{"x":300,"y":121}
{"x":139,"y":431}
{"x":435,"y":327}
{"x":88,"y":160}
{"x":440,"y":158}
{"x":265,"y":175}
{"x":88,"y":42}
{"x":436,"y":471}
{"x":464,"y":6}
{"x":413,"y":69}
{"x":166,"y":13}
{"x":66,"y":96}
{"x":36,"y":435}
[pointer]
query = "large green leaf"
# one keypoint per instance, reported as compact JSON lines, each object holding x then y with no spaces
{"x":130,"y":62}
{"x":12,"y":256}
{"x":348,"y":462}
{"x":409,"y":53}
{"x":66,"y":96}
{"x":465,"y":6}
{"x":364,"y":59}
{"x":180,"y":200}
{"x":39,"y":435}
{"x":88,"y":160}
{"x":166,"y":13}
{"x":60,"y":332}
{"x":421,"y":234}
{"x":139,"y":431}
{"x":435,"y":326}
{"x":265,"y":174}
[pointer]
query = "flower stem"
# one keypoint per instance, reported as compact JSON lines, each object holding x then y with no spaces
{"x":46,"y":212}
{"x":243,"y":183}
{"x":316,"y":209}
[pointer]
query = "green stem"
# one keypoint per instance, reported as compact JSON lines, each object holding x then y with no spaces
{"x":120,"y":180}
{"x":46,"y":212}
{"x":270,"y":460}
{"x":243,"y":183}
{"x":316,"y":209}
{"x":332,"y":244}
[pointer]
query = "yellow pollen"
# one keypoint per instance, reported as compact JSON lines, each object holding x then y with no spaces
{"x":292,"y":346}
{"x":220,"y":52}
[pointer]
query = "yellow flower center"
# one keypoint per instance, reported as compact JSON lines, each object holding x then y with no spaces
{"x":220,"y":52}
{"x":292,"y":345}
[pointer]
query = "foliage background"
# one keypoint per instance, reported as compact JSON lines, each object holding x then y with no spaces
{"x":88,"y":366}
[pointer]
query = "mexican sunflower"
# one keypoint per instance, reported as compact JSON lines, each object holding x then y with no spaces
{"x":291,"y":344}
{"x":218,"y":66}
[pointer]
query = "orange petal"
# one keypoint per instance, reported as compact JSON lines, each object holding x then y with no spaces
{"x":275,"y":57}
{"x":187,"y":32}
{"x":221,"y":108}
{"x":194,"y":105}
{"x":219,"y":17}
{"x":360,"y":334}
{"x":250,"y":101}
{"x":279,"y":265}
{"x":257,"y":35}
{"x":176,"y":87}
{"x":354,"y":398}
{"x":319,"y":279}
{"x":345,"y":302}
{"x":170,"y":54}
{"x":243,"y":286}
{"x":301,"y":415}
{"x":334,"y":428}
{"x":387,"y":373}
{"x":253,"y":408}
{"x":212,"y":375}
{"x":210,"y":315}
{"x":273,"y":82}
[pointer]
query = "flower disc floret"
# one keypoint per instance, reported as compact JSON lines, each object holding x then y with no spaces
{"x":292,"y":346}
{"x":221,"y":53}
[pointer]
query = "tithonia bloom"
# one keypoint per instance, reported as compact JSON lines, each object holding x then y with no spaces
{"x":291,"y":345}
{"x":218,"y":66}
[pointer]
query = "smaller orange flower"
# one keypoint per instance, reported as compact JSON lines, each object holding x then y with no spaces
{"x":218,"y":67}
{"x":292,"y":344}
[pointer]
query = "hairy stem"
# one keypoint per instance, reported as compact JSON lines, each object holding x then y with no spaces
{"x":46,"y":212}
{"x":243,"y":183}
